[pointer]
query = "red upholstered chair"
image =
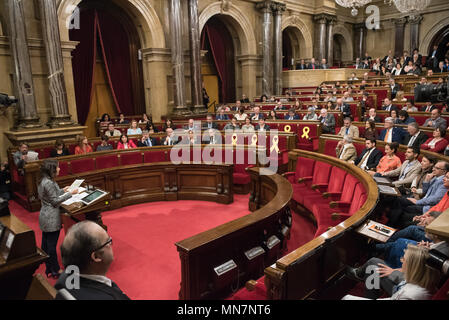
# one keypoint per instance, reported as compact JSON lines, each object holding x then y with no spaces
{"x":64,"y":168}
{"x":95,"y":145}
{"x":321,"y":176}
{"x":46,"y":153}
{"x":109,"y":161}
{"x":155,"y":156}
{"x":443,"y":293}
{"x":293,"y":127}
{"x":305,"y":143}
{"x":329,"y":147}
{"x":358,"y":201}
{"x":303,"y":173}
{"x":82,"y":165}
{"x":323,"y":191}
{"x":240,"y":175}
{"x":127,"y":159}
{"x":71,"y":148}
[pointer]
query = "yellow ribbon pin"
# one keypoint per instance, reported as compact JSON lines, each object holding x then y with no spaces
{"x":234,"y":139}
{"x":287,"y":128}
{"x":274,"y":144}
{"x":254,"y":140}
{"x":305,"y":132}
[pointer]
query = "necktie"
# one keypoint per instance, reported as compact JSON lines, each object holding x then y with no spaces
{"x":412,"y":140}
{"x":347,"y":131}
{"x":313,"y":67}
{"x":404,"y":173}
{"x":149,"y":144}
{"x":387,"y":135}
{"x":364,"y":159}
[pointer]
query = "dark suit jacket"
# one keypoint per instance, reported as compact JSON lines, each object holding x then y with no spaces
{"x":257,"y":127}
{"x":222,"y":117}
{"x":346,"y":110}
{"x":91,"y":290}
{"x":393,"y":107}
{"x":301,"y":66}
{"x":295,"y":117}
{"x":311,"y":66}
{"x":154,"y":142}
{"x":422,"y":137}
{"x":373,"y":159}
{"x":395,"y":90}
{"x":214,"y":126}
{"x":423,"y":109}
{"x":376,"y":119}
{"x":396,"y":135}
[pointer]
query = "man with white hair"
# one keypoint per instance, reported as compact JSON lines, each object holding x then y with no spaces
{"x":347,"y":97}
{"x":345,"y":150}
{"x":391,"y":133}
{"x":327,"y":121}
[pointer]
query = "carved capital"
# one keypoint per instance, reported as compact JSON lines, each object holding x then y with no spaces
{"x":358,"y":26}
{"x":331,"y":20}
{"x":415,"y":19}
{"x":320,"y":18}
{"x":278,"y":8}
{"x":265,"y":6}
{"x":400,"y":22}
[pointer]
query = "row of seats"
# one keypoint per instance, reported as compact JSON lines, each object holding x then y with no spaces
{"x":329,"y":193}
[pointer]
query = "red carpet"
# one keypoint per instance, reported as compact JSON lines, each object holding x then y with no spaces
{"x":147,"y":264}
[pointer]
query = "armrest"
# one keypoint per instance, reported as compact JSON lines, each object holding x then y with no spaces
{"x":304,"y":179}
{"x":339,"y":204}
{"x":332,"y":195}
{"x":288,"y":174}
{"x":339,"y":215}
{"x":320,"y":187}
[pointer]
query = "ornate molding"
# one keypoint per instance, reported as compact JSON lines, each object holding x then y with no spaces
{"x":264,"y":6}
{"x":278,"y":8}
{"x":226,"y":5}
{"x":400,"y":22}
{"x":415,"y":19}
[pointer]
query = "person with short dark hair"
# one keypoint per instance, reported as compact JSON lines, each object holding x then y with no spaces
{"x":370,"y":131}
{"x":408,"y":171}
{"x":60,"y":150}
{"x":388,"y":162}
{"x":122,"y":119}
{"x":438,"y":143}
{"x":292,"y":115}
{"x":125,"y":143}
{"x":89,"y":247}
{"x":370,"y":156}
{"x":404,"y":117}
{"x":23,"y":156}
{"x":5,"y":181}
{"x":210,"y":124}
{"x":146,"y":140}
{"x":104,"y":146}
{"x":51,"y":197}
{"x":112,"y":132}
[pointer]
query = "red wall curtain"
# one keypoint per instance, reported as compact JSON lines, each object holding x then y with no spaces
{"x":83,"y":57}
{"x":115,"y":50}
{"x":221,"y":47}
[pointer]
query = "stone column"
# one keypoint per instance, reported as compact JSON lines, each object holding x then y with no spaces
{"x":278,"y":9}
{"x":267,"y":43}
{"x":414,"y":21}
{"x":330,"y":40}
{"x":23,"y":77}
{"x":360,"y":40}
{"x":52,"y":41}
{"x":195,"y":58}
{"x":399,"y":36}
{"x":177,"y":58}
{"x":319,"y":47}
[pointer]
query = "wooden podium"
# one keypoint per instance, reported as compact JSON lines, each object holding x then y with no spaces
{"x":78,"y":211}
{"x":19,"y":258}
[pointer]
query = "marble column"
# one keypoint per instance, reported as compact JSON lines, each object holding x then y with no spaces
{"x":399,"y":36}
{"x":195,"y":58}
{"x":330,"y":40}
{"x":52,"y":41}
{"x":319,"y":47}
{"x":414,"y":21}
{"x":267,"y":43}
{"x":278,"y":9}
{"x":360,"y":40}
{"x":23,"y":77}
{"x":177,"y":58}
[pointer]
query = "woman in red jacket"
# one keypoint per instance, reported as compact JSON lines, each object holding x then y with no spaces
{"x":125,"y":143}
{"x":437,"y":143}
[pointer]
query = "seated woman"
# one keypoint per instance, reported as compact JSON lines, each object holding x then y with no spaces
{"x":60,"y":150}
{"x":264,"y":98}
{"x":105,"y":119}
{"x":272,"y":115}
{"x":134,"y":129}
{"x":168,"y":124}
{"x":377,"y":83}
{"x":125,"y":143}
{"x":404,"y":118}
{"x":122,"y":119}
{"x":388,"y":162}
{"x":151,"y":128}
{"x":241,"y":115}
{"x":394,"y":116}
{"x":436,"y":144}
{"x":298,"y":104}
{"x":420,"y":280}
{"x":83,"y":146}
{"x":332,"y":107}
{"x":104,"y":146}
{"x":311,"y":115}
{"x":248,"y":127}
{"x":400,"y":97}
{"x":144,"y":119}
{"x":370,"y":131}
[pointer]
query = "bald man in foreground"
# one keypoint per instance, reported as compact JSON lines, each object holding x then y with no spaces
{"x":88,"y":248}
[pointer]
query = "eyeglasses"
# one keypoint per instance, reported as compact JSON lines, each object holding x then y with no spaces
{"x":439,"y":168}
{"x":104,"y":245}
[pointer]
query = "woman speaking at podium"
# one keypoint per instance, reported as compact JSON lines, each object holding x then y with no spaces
{"x":51,"y":197}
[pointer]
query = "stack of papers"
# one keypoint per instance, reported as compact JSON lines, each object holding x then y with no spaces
{"x":382,"y":180}
{"x":387,"y":190}
{"x":76,"y":197}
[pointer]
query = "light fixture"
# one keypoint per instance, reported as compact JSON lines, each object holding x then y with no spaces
{"x":354,"y":4}
{"x":411,"y":7}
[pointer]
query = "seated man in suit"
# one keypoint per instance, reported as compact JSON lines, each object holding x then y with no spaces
{"x":435,"y":120}
{"x":291,"y":115}
{"x":23,"y":156}
{"x":88,"y":247}
{"x":313,"y":65}
{"x":348,"y":129}
{"x":388,"y":106}
{"x":327,"y":121}
{"x":434,"y":190}
{"x":302,"y":65}
{"x":146,"y":141}
{"x":233,"y":125}
{"x":409,"y":170}
{"x":212,"y":137}
{"x":209,"y":124}
{"x":244,"y":99}
{"x":262,"y":126}
{"x":345,"y":150}
{"x":221,"y":116}
{"x":372,"y":115}
{"x":343,"y":107}
{"x":191,"y":125}
{"x":324,"y":64}
{"x":191,"y":139}
{"x":394,"y":88}
{"x":279,"y":106}
{"x":428,"y":107}
{"x":170,"y":139}
{"x":112,"y":132}
{"x":256,"y":116}
{"x":391,"y":133}
{"x":414,"y":137}
{"x":370,"y":156}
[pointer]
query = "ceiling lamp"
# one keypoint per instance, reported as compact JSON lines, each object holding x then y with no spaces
{"x":354,"y":4}
{"x":410,"y":7}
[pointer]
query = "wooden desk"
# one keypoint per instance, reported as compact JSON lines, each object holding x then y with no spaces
{"x":440,"y":226}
